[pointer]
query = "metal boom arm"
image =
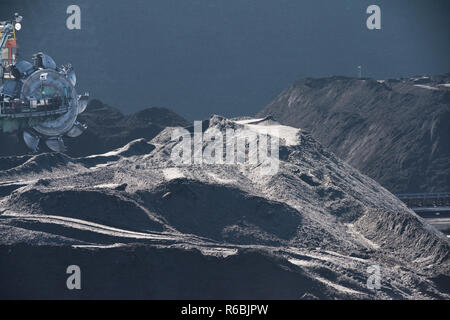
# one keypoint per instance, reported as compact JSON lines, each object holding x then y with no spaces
{"x":6,"y":30}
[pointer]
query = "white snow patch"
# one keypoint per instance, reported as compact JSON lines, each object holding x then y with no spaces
{"x":346,"y":257}
{"x":107,"y":186}
{"x":222,"y":252}
{"x":322,"y":257}
{"x":302,"y":263}
{"x":424,"y":259}
{"x":287,"y":133}
{"x":420,"y":78}
{"x":107,"y":154}
{"x":87,"y":226}
{"x":425,"y":87}
{"x":246,"y":121}
{"x":219,"y":179}
{"x":172,"y":173}
{"x":337,"y":286}
{"x":357,"y":235}
{"x":106,"y":246}
{"x":101,"y":165}
{"x":447,"y":85}
{"x":115,"y":152}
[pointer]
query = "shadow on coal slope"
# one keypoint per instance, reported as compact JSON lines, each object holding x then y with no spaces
{"x":99,"y":206}
{"x":169,"y":273}
{"x":222,"y":213}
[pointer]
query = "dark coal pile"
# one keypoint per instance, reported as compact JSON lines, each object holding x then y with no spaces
{"x":395,"y":131}
{"x":140,"y":226}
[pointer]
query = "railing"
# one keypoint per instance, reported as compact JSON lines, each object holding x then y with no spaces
{"x":28,"y":113}
{"x":422,"y":195}
{"x":417,"y":200}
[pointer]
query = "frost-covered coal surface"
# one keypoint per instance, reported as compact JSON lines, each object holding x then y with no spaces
{"x":140,"y":226}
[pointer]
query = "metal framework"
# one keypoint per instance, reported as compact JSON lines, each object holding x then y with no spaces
{"x":438,"y":199}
